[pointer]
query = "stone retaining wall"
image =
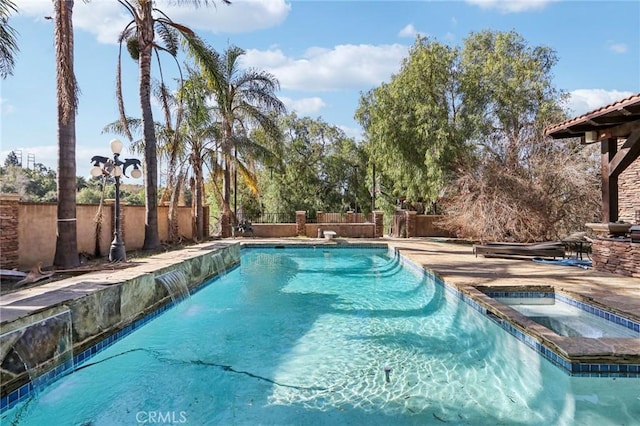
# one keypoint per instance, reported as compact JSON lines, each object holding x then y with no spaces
{"x":618,"y":257}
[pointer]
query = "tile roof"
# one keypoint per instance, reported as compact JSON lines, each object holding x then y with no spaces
{"x":616,"y":113}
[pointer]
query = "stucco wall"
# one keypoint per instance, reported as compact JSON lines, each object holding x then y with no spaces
{"x":37,"y":229}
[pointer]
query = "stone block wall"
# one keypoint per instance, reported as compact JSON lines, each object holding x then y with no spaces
{"x":9,"y":247}
{"x":301,"y":221}
{"x":617,"y":257}
{"x":629,"y":193}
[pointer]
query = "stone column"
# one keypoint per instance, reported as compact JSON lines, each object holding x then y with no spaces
{"x":9,"y":244}
{"x":378,"y":220}
{"x":301,"y":222}
{"x":411,"y":223}
{"x":319,"y":217}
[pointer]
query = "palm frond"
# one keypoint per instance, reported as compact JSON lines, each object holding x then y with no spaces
{"x":169,"y":36}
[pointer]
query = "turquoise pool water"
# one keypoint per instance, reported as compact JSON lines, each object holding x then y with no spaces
{"x":303,"y":336}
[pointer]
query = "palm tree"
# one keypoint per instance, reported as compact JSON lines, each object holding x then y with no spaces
{"x":8,"y":45}
{"x":199,"y":134}
{"x":66,"y":255}
{"x":244,"y":100}
{"x":140,"y":35}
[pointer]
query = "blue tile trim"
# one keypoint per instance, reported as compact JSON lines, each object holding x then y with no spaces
{"x":572,"y":368}
{"x":323,"y":246}
{"x":609,"y":316}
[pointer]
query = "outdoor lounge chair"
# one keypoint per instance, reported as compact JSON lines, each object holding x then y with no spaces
{"x":544,"y":250}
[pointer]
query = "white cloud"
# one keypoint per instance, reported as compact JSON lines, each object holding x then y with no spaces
{"x":408,"y":31}
{"x":511,"y":6}
{"x":618,"y":47}
{"x":342,"y":67}
{"x":107,"y":18}
{"x":5,"y":107}
{"x":303,"y":107}
{"x":353,"y":132}
{"x":582,"y":101}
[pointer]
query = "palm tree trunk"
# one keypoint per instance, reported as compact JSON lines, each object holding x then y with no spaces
{"x":145,"y":40}
{"x":173,"y":208}
{"x":66,"y":255}
{"x":197,"y":197}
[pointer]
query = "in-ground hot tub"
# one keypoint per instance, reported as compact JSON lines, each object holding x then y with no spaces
{"x":579,"y":335}
{"x":563,"y":316}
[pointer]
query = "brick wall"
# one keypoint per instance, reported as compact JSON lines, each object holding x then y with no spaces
{"x":618,"y":257}
{"x":629,"y":193}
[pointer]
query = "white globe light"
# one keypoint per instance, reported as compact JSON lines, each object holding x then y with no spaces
{"x":96,"y":171}
{"x":117,"y":171}
{"x":116,"y":146}
{"x":136,"y":173}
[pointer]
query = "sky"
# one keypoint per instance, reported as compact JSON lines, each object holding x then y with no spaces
{"x":325,"y":54}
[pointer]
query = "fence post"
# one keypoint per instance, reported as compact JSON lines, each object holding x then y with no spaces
{"x":9,"y":220}
{"x":411,"y":223}
{"x":301,"y":221}
{"x":378,"y":220}
{"x":319,"y":217}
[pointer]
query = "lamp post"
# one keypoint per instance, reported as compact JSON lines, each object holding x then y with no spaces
{"x":104,"y":166}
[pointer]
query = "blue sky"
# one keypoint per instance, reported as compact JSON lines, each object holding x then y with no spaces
{"x":324,"y":53}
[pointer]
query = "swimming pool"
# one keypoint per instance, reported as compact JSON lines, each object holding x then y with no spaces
{"x":296,"y":336}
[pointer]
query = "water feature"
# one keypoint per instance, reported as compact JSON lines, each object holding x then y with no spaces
{"x":218,"y":265}
{"x":37,"y":349}
{"x":176,"y":283}
{"x":331,"y":336}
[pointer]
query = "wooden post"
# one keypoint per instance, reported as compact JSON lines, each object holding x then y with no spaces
{"x":608,"y":149}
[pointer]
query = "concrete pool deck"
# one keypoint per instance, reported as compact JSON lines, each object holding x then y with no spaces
{"x":455,"y":263}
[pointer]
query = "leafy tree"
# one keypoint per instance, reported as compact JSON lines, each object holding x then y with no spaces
{"x":414,"y":129}
{"x":521,"y":186}
{"x":317,"y":169}
{"x":141,"y":41}
{"x":12,"y":160}
{"x":34,"y":185}
{"x":66,"y":254}
{"x":468,"y":124}
{"x":8,"y":44}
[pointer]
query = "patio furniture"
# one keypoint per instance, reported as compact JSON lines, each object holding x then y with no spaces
{"x":551,"y":249}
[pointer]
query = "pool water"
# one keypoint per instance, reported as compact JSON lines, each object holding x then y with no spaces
{"x":303,"y":336}
{"x":565,"y":319}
